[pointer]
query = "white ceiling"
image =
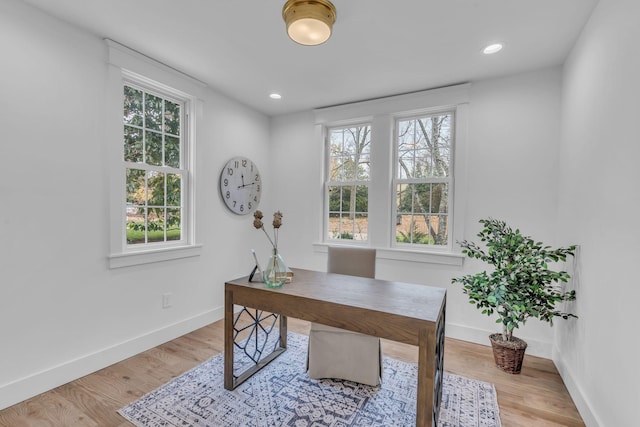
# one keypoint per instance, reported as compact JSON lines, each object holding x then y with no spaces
{"x":378,"y":47}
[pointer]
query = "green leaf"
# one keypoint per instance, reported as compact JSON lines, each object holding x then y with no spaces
{"x":519,"y":281}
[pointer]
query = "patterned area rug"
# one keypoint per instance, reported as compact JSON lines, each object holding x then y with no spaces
{"x":282,"y":394}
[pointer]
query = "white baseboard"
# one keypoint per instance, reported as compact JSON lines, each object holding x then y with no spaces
{"x":575,"y":391}
{"x":39,"y":382}
{"x":32,"y":385}
{"x":481,"y":336}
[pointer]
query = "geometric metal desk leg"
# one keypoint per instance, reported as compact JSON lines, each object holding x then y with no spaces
{"x":258,"y":336}
{"x":439,"y":364}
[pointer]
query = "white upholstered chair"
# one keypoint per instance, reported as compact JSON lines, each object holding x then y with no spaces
{"x":338,"y":353}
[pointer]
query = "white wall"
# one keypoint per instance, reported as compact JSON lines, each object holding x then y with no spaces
{"x":63,"y":312}
{"x":599,"y":203}
{"x":512,"y":146}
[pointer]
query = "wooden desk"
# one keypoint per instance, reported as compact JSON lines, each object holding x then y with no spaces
{"x":408,"y":313}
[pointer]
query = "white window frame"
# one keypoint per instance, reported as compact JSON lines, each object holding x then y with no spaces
{"x":127,"y":66}
{"x":184,"y":170}
{"x":382,"y":114}
{"x":427,"y":180}
{"x":328,"y":183}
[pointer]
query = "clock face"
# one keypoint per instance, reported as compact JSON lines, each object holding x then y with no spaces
{"x":240,"y":185}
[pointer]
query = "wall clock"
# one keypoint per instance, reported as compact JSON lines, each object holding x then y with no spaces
{"x":240,"y":185}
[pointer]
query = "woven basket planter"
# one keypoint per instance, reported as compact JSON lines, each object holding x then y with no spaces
{"x":508,"y":354}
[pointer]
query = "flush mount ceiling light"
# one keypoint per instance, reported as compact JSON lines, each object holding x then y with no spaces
{"x":309,"y":22}
{"x":493,"y":48}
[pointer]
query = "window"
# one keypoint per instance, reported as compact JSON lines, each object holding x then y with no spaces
{"x":153,"y":162}
{"x":347,"y":185}
{"x":389,"y":174}
{"x":423,"y":179}
{"x":151,"y":129}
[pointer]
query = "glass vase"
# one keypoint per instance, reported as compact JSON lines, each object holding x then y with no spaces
{"x":275,"y":272}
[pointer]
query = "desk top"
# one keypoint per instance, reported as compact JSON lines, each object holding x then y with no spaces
{"x":357,"y":298}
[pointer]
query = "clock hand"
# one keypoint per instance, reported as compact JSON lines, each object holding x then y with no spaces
{"x":246,"y":185}
{"x":243,"y":184}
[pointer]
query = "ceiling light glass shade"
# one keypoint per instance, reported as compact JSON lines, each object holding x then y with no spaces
{"x":492,"y":48}
{"x":309,"y":22}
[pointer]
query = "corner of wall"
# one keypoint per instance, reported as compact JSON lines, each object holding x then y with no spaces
{"x":579,"y":398}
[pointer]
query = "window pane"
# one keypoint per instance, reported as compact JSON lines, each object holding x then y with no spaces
{"x":417,"y":219}
{"x":132,"y":106}
{"x":133,"y":144}
{"x":340,"y":199}
{"x":334,"y":199}
{"x":172,"y":151}
{"x":439,"y":197}
{"x":363,"y":172}
{"x":335,"y":212}
{"x":403,"y":198}
{"x":135,"y":211}
{"x":347,"y":227}
{"x":155,"y":188}
{"x":348,"y":212}
{"x":136,"y":227}
{"x":153,"y":148}
{"x":361,"y":199}
{"x":335,"y":169}
{"x":421,"y":198}
{"x":135,"y":187}
{"x":438,"y":227}
{"x":422,"y":229}
{"x":174,"y":189}
{"x":349,"y":153}
{"x":174,"y":224}
{"x":171,"y":117}
{"x":424,"y":146}
{"x":153,"y":112}
{"x":155,"y":225}
{"x":413,"y":229}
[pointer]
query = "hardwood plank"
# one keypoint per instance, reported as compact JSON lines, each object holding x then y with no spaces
{"x":48,"y":409}
{"x":86,"y":399}
{"x":536,"y":397}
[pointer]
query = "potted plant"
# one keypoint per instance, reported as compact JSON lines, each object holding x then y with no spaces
{"x":520,"y":285}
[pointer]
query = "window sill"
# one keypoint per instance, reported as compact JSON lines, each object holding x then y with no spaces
{"x":157,"y":255}
{"x":442,"y":258}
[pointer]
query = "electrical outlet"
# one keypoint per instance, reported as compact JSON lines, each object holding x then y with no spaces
{"x":166,"y":300}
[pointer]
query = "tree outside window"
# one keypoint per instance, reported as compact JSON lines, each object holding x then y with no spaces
{"x":348,"y":182}
{"x":423,"y":179}
{"x":153,"y":160}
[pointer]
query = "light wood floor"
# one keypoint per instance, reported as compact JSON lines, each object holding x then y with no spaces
{"x":536,"y":397}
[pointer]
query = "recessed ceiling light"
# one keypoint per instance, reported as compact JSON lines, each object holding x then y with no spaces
{"x":492,"y":48}
{"x":275,"y":96}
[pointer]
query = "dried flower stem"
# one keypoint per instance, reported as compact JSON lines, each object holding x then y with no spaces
{"x":277,"y":222}
{"x":275,"y":245}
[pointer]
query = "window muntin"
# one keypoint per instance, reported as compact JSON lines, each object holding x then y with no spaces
{"x":154,"y":166}
{"x":422,"y":180}
{"x":347,"y":184}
